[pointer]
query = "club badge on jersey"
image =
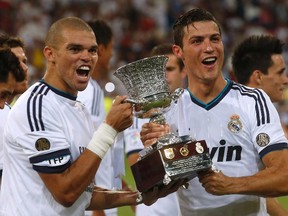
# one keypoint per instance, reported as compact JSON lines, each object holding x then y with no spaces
{"x":235,"y":125}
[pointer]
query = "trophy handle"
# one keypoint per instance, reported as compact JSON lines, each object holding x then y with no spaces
{"x":132,"y":101}
{"x":176,"y":94}
{"x":128,"y":100}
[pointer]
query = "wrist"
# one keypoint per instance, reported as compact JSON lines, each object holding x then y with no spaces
{"x":102,"y":139}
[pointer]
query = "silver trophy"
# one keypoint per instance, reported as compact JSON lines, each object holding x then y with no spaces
{"x":147,"y":87}
{"x":172,"y":156}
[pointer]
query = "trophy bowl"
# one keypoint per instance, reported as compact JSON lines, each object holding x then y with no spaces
{"x":147,"y":87}
{"x":172,"y":157}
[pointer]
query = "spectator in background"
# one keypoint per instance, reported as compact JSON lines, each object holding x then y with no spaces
{"x":175,"y":75}
{"x":258,"y":63}
{"x":128,"y":16}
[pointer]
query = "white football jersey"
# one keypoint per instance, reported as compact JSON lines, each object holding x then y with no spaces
{"x":240,"y":126}
{"x":164,"y":206}
{"x":93,"y":98}
{"x":45,"y":132}
{"x":133,"y":144}
{"x":3,"y":117}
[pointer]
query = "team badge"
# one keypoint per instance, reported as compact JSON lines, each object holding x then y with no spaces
{"x":184,"y":150}
{"x":262,"y":139}
{"x":169,"y":153}
{"x":199,"y":148}
{"x":235,"y":125}
{"x":42,"y":144}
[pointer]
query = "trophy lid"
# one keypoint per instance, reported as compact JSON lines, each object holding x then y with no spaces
{"x":144,"y":77}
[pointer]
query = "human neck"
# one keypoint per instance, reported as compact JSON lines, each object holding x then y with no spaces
{"x":207,"y":91}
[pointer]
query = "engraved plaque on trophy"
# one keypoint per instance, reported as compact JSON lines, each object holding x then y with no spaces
{"x":172,"y":157}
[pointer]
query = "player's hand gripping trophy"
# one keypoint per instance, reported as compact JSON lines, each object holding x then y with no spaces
{"x":172,"y":157}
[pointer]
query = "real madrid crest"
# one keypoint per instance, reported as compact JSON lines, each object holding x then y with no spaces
{"x":199,"y":148}
{"x":235,"y":125}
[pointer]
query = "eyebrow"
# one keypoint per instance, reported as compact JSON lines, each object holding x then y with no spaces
{"x":6,"y":92}
{"x":81,"y":46}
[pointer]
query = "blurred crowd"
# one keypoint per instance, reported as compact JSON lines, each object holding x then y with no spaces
{"x":139,"y":25}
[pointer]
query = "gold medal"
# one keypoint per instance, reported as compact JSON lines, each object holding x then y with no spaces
{"x":184,"y":150}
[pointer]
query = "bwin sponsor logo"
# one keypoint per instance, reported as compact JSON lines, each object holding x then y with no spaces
{"x":226,"y":153}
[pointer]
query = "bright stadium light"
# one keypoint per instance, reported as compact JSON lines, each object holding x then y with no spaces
{"x":109,"y":87}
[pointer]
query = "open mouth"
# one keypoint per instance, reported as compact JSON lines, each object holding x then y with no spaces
{"x":83,"y":71}
{"x":209,"y":61}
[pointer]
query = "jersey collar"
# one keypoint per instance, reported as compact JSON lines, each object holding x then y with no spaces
{"x":59,"y":92}
{"x":215,"y":101}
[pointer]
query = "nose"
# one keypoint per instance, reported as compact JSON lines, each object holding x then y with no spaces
{"x":285,"y":79}
{"x":208,"y":46}
{"x":86,"y":55}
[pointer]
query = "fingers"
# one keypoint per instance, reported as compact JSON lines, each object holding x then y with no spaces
{"x":120,"y":115}
{"x":151,"y":196}
{"x":150,"y":133}
{"x":119,"y":99}
{"x":154,"y":127}
{"x":215,"y":182}
{"x":172,"y":187}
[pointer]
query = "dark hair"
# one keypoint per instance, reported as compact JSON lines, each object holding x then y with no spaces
{"x":10,"y":41}
{"x":9,"y":63}
{"x":166,"y":49}
{"x":254,"y":53}
{"x":194,"y":15}
{"x":102,"y":31}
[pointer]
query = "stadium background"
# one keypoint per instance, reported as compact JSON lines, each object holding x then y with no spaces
{"x":138,"y":25}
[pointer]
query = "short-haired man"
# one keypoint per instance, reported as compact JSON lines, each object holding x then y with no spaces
{"x":240,"y":124}
{"x":258,"y":62}
{"x":51,"y":149}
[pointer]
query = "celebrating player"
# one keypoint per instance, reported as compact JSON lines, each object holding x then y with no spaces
{"x":240,"y":125}
{"x":51,"y":150}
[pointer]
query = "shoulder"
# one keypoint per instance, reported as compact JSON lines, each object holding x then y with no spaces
{"x":250,"y":95}
{"x":245,"y":91}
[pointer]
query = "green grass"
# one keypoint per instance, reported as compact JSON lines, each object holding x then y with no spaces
{"x":127,"y":211}
{"x":284,"y":201}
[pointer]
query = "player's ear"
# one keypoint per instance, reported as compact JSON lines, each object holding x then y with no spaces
{"x":48,"y":53}
{"x":177,"y":51}
{"x":101,"y":49}
{"x":256,"y":77}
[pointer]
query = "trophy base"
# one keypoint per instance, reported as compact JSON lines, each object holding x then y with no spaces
{"x":171,"y":162}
